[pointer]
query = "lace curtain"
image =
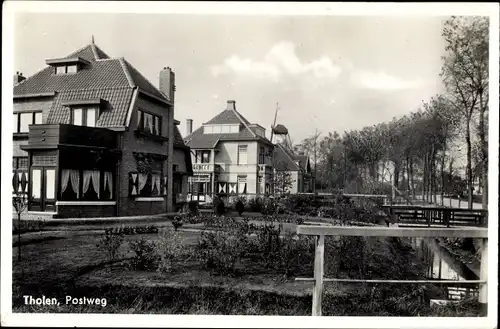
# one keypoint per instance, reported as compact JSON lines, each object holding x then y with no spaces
{"x":91,"y":176}
{"x":96,"y":178}
{"x":64,"y":179}
{"x":155,"y":178}
{"x":75,"y":181}
{"x":108,"y":183}
{"x":143,"y":178}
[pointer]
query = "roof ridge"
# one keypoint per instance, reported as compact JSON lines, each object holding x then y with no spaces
{"x":94,"y":51}
{"x":243,"y":121}
{"x":92,"y":89}
{"x":126,"y":72}
{"x":79,"y":50}
{"x":147,"y":80}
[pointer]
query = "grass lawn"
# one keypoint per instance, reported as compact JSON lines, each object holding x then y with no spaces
{"x":66,"y":261}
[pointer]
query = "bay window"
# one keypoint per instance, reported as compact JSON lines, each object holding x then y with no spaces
{"x":86,"y":185}
{"x":203,"y":156}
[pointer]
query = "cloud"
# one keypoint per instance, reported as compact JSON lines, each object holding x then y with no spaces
{"x":281,"y":60}
{"x":380,"y":80}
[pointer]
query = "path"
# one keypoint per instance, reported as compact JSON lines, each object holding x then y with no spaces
{"x":454,"y":203}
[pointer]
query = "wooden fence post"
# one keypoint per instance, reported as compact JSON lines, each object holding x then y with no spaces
{"x":318,"y":275}
{"x":483,"y":274}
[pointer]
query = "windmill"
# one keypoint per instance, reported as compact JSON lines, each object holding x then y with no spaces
{"x":281,"y":132}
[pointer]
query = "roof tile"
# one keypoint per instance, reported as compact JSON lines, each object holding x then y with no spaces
{"x":143,"y":83}
{"x":110,"y":79}
{"x":113,"y":114}
{"x":98,"y":75}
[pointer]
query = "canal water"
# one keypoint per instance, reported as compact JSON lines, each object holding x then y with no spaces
{"x":442,"y":265}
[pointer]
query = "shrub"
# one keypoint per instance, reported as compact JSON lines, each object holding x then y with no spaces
{"x":240,"y":207}
{"x":193,"y":208}
{"x":194,"y":219}
{"x":219,"y":251}
{"x":169,"y":248}
{"x":177,"y":222}
{"x":298,"y":203}
{"x":255,"y":204}
{"x":24,"y":226}
{"x":146,"y":257}
{"x":219,"y":207}
{"x":110,"y":243}
{"x":270,"y":206}
{"x":294,"y":255}
{"x":132,"y":230}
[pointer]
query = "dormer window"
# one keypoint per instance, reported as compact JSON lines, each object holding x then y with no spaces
{"x":221,"y":129}
{"x":84,"y":116}
{"x":71,"y":68}
{"x":66,"y":69}
{"x":67,"y":65}
{"x":84,"y":112}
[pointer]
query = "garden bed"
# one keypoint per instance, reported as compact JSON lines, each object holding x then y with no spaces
{"x":219,"y":266}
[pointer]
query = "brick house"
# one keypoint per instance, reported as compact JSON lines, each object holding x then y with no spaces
{"x":93,"y":137}
{"x":230,"y":157}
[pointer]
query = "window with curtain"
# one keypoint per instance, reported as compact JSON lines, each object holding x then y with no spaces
{"x":148,"y":123}
{"x":203,"y":156}
{"x":242,"y":184}
{"x":146,"y":185}
{"x":86,"y":185}
{"x":242,"y":154}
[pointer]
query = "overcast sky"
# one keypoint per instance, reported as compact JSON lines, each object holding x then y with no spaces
{"x":326,"y":72}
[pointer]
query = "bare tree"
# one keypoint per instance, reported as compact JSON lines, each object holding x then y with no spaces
{"x":465,"y":75}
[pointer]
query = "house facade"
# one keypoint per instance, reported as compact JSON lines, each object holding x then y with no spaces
{"x":231,"y":157}
{"x":94,"y":138}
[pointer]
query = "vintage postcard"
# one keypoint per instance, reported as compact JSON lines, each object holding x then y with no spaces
{"x":238,"y":164}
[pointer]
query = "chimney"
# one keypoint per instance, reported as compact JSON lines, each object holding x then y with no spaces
{"x":231,"y":105}
{"x":18,"y":78}
{"x":167,"y":82}
{"x":189,"y":126}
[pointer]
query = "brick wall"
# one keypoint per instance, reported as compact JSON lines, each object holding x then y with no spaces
{"x":34,"y":104}
{"x":87,"y":211}
{"x":127,"y":206}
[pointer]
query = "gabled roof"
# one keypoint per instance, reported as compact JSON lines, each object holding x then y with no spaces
{"x":144,"y":84}
{"x":302,"y":159}
{"x":284,"y":160}
{"x":199,"y":140}
{"x":178,"y":141}
{"x":112,"y":79}
{"x":228,"y":117}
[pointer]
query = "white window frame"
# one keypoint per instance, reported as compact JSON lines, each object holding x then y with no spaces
{"x":242,"y":146}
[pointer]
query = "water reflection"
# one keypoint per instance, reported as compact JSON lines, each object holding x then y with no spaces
{"x":441,"y":265}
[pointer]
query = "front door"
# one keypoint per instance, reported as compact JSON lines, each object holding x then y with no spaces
{"x":43,"y":189}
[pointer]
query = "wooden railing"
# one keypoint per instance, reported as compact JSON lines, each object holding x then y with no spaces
{"x":321,"y":231}
{"x":422,"y":215}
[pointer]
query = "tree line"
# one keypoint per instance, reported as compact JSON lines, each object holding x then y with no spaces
{"x":417,"y":153}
